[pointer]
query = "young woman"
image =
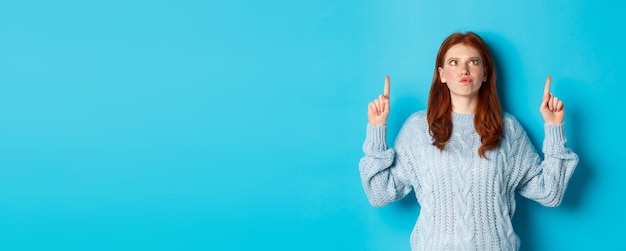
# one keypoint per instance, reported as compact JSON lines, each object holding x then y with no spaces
{"x":463,"y":157}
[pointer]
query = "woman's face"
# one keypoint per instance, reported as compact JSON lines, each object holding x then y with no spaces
{"x":463,"y":71}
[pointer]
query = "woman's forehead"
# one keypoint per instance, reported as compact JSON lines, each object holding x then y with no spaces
{"x":462,"y":50}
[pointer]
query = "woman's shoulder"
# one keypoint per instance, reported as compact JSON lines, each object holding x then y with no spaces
{"x":511,"y":125}
{"x":416,"y":118}
{"x":416,"y":121}
{"x":415,"y":127}
{"x":509,"y":119}
{"x":419,"y":114}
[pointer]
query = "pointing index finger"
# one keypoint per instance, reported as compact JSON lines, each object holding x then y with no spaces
{"x":386,"y":93}
{"x":546,"y":89}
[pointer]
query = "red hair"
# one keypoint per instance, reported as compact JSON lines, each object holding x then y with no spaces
{"x":488,"y":114}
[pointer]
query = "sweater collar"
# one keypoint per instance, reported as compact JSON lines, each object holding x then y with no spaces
{"x":462,"y":119}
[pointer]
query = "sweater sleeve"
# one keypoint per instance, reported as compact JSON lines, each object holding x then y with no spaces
{"x":384,"y":171}
{"x":545,"y":181}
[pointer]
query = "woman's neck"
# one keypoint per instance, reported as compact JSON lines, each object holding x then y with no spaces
{"x":464,"y":105}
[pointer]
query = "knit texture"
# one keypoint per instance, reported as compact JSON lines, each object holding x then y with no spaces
{"x":467,"y":202}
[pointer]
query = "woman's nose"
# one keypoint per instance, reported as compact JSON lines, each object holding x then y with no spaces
{"x":465,"y":70}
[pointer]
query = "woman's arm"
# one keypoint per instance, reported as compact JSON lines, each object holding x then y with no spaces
{"x":383,"y":171}
{"x":546,"y":181}
{"x":383,"y":180}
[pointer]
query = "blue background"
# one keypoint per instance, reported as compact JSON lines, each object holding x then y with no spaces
{"x":237,"y":125}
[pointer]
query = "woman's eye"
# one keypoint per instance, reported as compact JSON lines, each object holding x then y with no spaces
{"x":453,"y":62}
{"x":474,"y":61}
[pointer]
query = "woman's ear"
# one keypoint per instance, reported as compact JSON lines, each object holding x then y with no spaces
{"x":441,"y":75}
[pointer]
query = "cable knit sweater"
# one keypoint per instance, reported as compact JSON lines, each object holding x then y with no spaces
{"x":467,"y":202}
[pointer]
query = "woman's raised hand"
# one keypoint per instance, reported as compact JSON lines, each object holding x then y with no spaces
{"x":378,"y":109}
{"x":552,"y":109}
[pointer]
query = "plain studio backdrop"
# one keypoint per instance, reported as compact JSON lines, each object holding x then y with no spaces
{"x":238,"y":125}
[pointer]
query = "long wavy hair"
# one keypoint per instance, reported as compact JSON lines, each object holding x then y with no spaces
{"x":488,"y":114}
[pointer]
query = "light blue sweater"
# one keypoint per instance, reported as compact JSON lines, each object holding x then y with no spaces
{"x":467,"y":202}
